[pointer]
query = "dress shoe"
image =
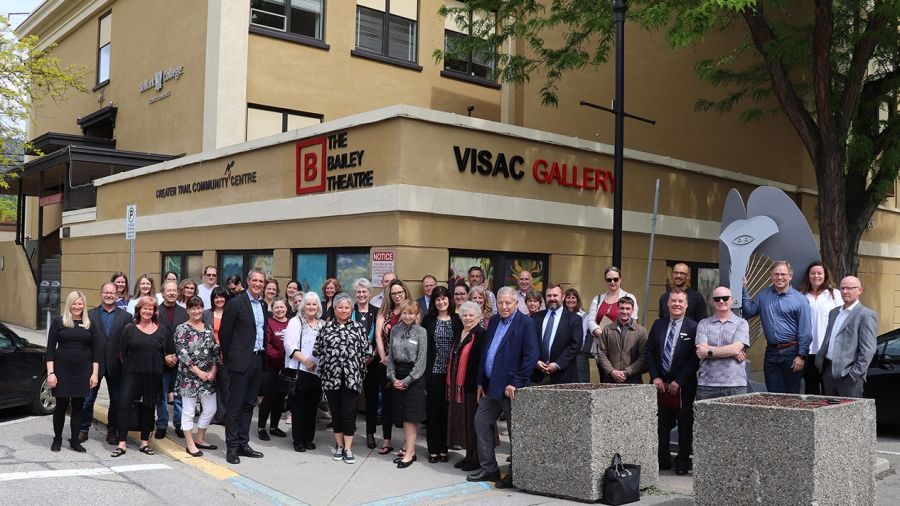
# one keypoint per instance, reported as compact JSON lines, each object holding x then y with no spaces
{"x":483,"y":476}
{"x":112,"y":437}
{"x":403,"y":464}
{"x":443,"y":458}
{"x":470,"y":466}
{"x":56,"y":445}
{"x":160,"y":433}
{"x":681,"y":471}
{"x":299,"y":447}
{"x":232,"y":457}
{"x":205,"y":446}
{"x":432,"y":459}
{"x":310,"y":445}
{"x":277,"y":432}
{"x":197,"y":453}
{"x":461,"y":463}
{"x":82,"y":436}
{"x":179,"y":432}
{"x":249,"y":452}
{"x":400,"y":459}
{"x":75,"y":445}
{"x":370,"y":441}
{"x":263,"y":435}
{"x":506,"y":482}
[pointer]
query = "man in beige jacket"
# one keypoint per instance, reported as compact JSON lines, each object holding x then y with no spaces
{"x":620,"y":347}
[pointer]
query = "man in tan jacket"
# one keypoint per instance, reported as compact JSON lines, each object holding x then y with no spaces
{"x":620,"y":347}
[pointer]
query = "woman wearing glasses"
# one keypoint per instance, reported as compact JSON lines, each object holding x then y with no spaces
{"x":605,"y":306}
{"x":388,"y":317}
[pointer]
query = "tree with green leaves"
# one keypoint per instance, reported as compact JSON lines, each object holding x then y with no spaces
{"x":833,"y":67}
{"x":29,"y":77}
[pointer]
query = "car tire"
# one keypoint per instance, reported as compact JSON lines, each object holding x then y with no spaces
{"x":43,"y":403}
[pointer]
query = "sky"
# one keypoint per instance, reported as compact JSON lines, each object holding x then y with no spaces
{"x":15,"y":6}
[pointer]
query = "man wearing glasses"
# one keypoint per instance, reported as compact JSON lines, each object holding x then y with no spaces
{"x":210,"y":276}
{"x":785,"y":316}
{"x":722,"y":342}
{"x":681,"y":280}
{"x":849,"y":342}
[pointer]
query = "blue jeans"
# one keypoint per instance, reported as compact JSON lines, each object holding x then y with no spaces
{"x":778,"y":370}
{"x":704,"y":392}
{"x":162,"y":408}
{"x":112,"y":385}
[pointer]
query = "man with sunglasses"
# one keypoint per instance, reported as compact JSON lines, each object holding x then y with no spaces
{"x":681,"y":280}
{"x":722,"y":342}
{"x":210,"y":277}
{"x":785,"y":316}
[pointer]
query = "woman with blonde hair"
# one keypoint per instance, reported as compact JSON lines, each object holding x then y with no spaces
{"x":478,"y":295}
{"x":73,"y":366}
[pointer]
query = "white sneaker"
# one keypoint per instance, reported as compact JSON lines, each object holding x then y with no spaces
{"x":338,"y":453}
{"x":348,"y":457}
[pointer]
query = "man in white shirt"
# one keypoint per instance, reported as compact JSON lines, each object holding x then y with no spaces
{"x":210,"y":276}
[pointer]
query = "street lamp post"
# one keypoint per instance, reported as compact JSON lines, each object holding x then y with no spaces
{"x":619,"y":8}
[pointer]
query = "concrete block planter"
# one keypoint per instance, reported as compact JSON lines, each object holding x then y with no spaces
{"x":564,"y":437}
{"x":784,"y":449}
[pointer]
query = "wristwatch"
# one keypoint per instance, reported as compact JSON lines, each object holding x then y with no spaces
{"x":709,"y":353}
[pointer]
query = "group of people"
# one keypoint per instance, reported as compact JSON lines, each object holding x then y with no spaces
{"x":454,"y":358}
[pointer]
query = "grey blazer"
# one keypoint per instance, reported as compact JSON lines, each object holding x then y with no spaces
{"x":854,"y":344}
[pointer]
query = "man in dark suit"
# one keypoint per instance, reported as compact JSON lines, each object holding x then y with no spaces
{"x":429,"y":282}
{"x":241,"y":336}
{"x":559,"y":340}
{"x":170,"y":316}
{"x":508,"y":358}
{"x":849,"y":343}
{"x":109,"y":321}
{"x":672,"y":363}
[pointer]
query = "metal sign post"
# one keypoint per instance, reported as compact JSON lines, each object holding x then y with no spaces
{"x":130,"y":234}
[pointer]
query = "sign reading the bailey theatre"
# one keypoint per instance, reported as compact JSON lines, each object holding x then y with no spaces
{"x":486,"y":163}
{"x":328,"y":163}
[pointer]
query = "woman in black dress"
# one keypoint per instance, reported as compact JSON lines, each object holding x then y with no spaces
{"x":73,"y":363}
{"x":407,"y":358}
{"x":462,"y":379}
{"x":442,"y":325}
{"x":141,"y":352}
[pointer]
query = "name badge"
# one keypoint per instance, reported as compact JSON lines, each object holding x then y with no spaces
{"x":414,"y":342}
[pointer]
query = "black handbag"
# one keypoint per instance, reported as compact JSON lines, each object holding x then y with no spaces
{"x":287,"y":381}
{"x":621,"y":483}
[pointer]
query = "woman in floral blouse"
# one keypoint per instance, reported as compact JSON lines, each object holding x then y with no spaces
{"x":342,"y":348}
{"x":198,"y":358}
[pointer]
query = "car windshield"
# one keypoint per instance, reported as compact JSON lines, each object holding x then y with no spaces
{"x":9,"y":338}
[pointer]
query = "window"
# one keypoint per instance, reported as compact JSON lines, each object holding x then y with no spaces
{"x":184,"y":265}
{"x":104,"y":45}
{"x":313,"y":267}
{"x":238,"y":263}
{"x":474,"y":65}
{"x":303,"y":18}
{"x":387,"y":28}
{"x":500,"y":268}
{"x":263,"y":121}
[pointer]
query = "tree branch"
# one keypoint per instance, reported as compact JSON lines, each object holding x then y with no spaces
{"x":862,"y":54}
{"x":762,"y":34}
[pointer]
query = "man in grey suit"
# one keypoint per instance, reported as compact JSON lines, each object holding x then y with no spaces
{"x":849,"y":343}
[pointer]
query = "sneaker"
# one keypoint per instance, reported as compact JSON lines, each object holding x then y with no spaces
{"x":338,"y":453}
{"x":348,"y":457}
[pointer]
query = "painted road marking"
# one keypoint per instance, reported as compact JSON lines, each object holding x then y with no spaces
{"x":885,"y":452}
{"x":18,"y":421}
{"x":259,"y":491}
{"x":93,"y":471}
{"x":435,"y":494}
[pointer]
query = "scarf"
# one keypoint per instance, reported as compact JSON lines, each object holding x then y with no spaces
{"x":456,"y":374}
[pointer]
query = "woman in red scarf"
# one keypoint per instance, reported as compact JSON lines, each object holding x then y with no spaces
{"x":462,"y":377}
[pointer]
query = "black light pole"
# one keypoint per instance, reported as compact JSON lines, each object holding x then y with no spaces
{"x":619,"y":8}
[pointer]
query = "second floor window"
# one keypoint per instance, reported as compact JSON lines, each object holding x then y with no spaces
{"x":104,"y":46}
{"x":471,"y":64}
{"x":299,"y":17}
{"x":387,"y":28}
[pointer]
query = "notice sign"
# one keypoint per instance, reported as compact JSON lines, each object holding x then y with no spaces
{"x":130,"y":222}
{"x":382,"y":262}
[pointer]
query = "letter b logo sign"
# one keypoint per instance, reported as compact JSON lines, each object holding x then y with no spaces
{"x":311,"y":165}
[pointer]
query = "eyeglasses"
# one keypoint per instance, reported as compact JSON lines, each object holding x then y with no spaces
{"x":722,"y":298}
{"x":398,"y":293}
{"x":676,"y":273}
{"x":211,"y":275}
{"x":612,"y":280}
{"x":848,"y":288}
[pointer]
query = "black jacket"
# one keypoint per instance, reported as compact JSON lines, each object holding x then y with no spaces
{"x":566,"y":346}
{"x":237,"y":332}
{"x":696,"y":309}
{"x":110,"y":365}
{"x":685,"y":363}
{"x":181,"y":316}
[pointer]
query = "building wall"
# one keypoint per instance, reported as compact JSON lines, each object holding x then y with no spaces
{"x":146,"y":37}
{"x":18,"y":304}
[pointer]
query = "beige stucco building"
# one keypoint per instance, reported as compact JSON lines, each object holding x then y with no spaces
{"x":280,"y":141}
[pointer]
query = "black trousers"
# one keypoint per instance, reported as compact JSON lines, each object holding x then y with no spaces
{"x":376,"y":379}
{"x":343,"y":410}
{"x":812,"y":377}
{"x":146,"y":420}
{"x":304,"y":408}
{"x":272,"y":404}
{"x":244,"y":387}
{"x":437,"y":411}
{"x":59,"y":416}
{"x":666,"y":421}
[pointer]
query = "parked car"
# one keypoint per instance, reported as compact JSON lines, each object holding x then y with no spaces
{"x":883,"y":378}
{"x":23,"y":375}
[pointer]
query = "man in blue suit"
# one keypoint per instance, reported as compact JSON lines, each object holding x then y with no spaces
{"x":507,"y":362}
{"x":672,"y":363}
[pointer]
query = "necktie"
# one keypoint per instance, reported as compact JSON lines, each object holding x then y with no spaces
{"x":670,"y":345}
{"x":548,"y":333}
